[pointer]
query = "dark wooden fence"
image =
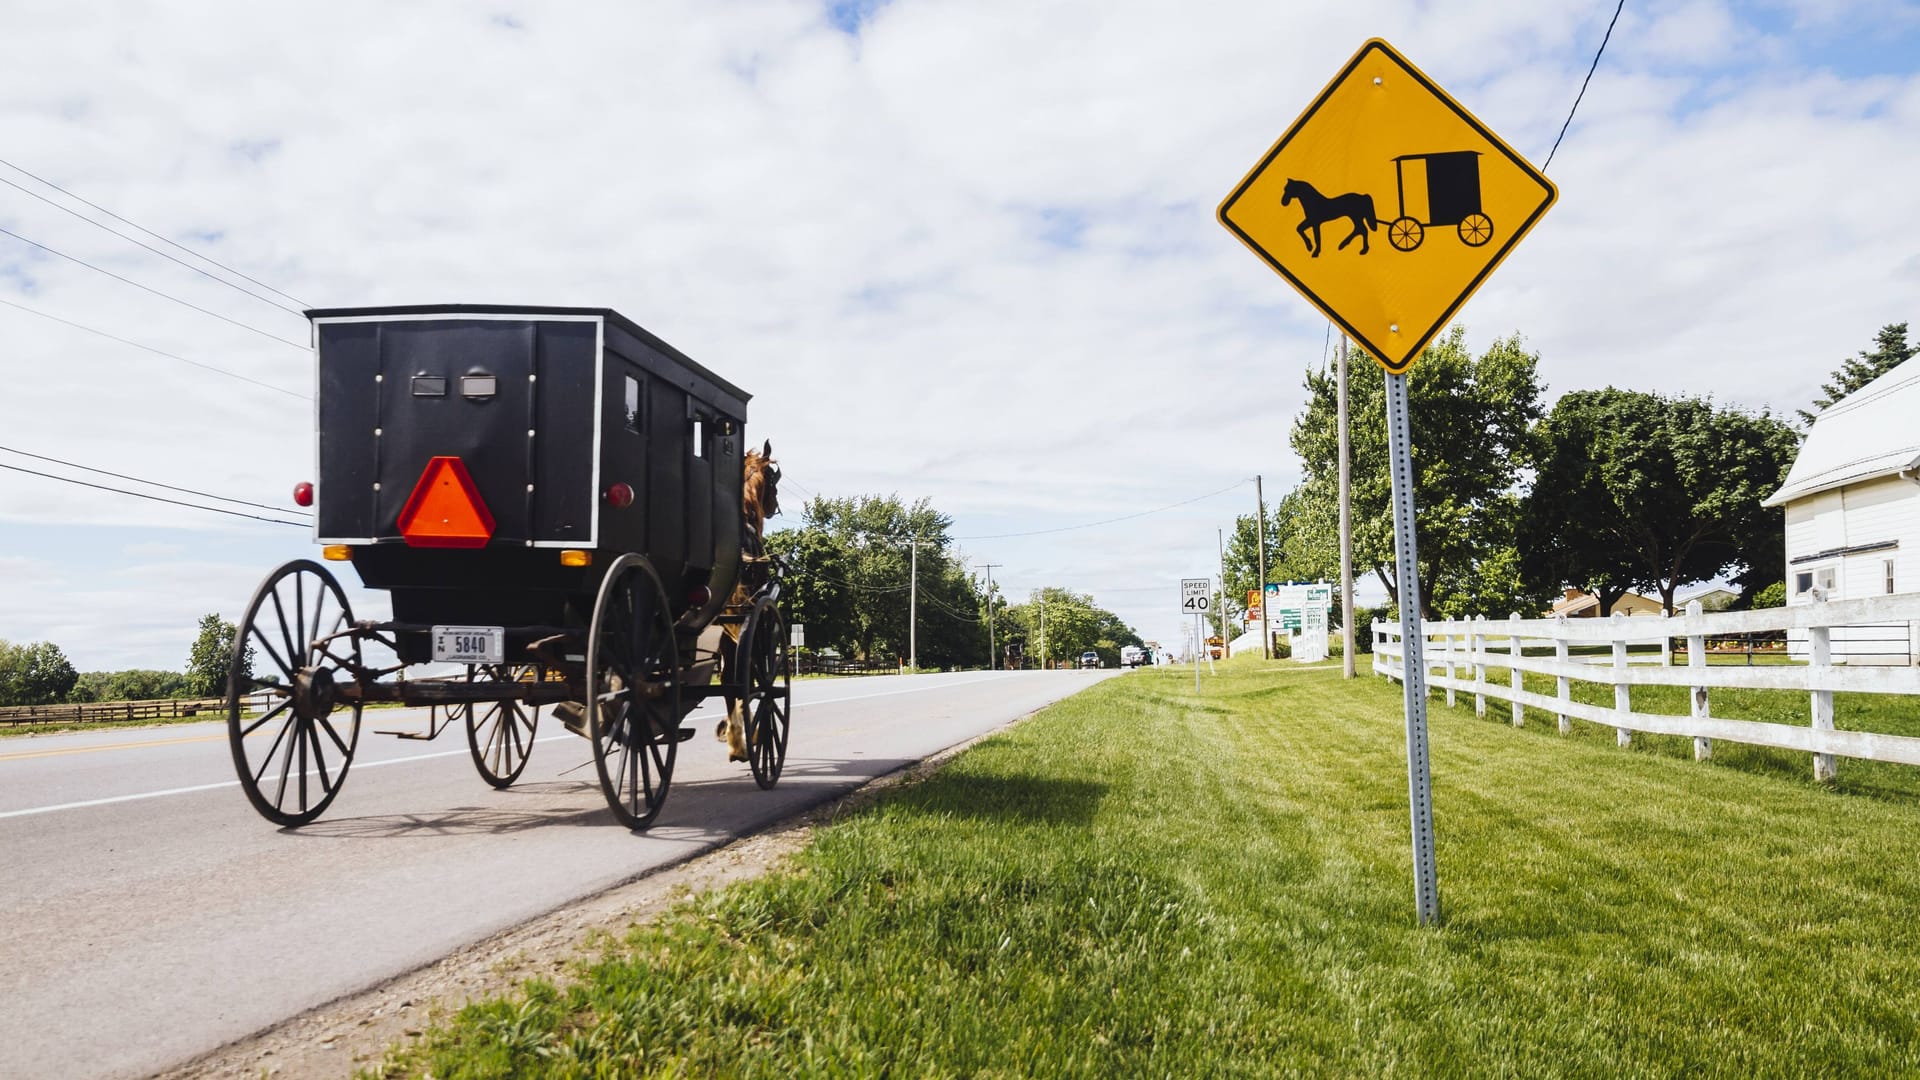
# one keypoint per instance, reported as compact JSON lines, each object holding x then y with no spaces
{"x":93,"y":712}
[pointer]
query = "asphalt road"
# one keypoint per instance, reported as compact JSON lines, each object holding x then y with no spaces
{"x":147,"y":915}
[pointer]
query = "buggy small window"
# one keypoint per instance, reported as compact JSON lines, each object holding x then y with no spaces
{"x":429,"y":386}
{"x":477,"y":386}
{"x":699,"y":437}
{"x":633,"y":405}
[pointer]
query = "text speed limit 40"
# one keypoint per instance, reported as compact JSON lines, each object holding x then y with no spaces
{"x":1196,"y":596}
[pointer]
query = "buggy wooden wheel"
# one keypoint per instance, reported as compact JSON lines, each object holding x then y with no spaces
{"x":1405,"y":233}
{"x":633,"y":691}
{"x":767,"y":696}
{"x":500,"y":733}
{"x":1475,"y":229}
{"x":296,"y":644}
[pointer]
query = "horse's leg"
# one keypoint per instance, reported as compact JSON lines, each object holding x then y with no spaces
{"x":1302,"y":230}
{"x":1359,"y":232}
{"x":1318,"y":244}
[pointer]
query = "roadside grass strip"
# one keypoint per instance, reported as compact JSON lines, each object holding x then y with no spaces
{"x":1142,"y":882}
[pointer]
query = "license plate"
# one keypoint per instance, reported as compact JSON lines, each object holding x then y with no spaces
{"x":469,"y":644}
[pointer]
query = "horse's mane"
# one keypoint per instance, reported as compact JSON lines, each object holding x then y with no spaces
{"x":760,"y":495}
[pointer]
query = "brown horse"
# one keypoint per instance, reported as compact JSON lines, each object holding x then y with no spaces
{"x":759,"y":500}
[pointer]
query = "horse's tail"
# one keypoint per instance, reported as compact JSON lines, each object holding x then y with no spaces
{"x":1372,"y":222}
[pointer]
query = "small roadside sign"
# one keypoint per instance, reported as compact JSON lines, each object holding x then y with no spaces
{"x":1196,"y":596}
{"x":1385,"y":154}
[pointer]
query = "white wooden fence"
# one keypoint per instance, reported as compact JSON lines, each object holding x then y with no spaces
{"x":1458,"y":653}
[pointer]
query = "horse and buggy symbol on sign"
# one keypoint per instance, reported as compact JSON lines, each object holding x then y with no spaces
{"x":1452,"y":190}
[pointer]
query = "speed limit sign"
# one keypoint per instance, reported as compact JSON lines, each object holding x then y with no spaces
{"x":1196,"y":595}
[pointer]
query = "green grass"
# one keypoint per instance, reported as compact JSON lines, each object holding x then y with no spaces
{"x":1139,"y":882}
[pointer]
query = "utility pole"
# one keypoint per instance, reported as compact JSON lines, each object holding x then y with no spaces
{"x":1346,"y":526}
{"x":993,"y":651}
{"x":1220,"y":543}
{"x":913,"y":610}
{"x":1260,"y":523}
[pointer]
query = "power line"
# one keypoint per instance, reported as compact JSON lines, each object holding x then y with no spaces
{"x":155,"y":498}
{"x":1583,"y":83}
{"x":156,"y":352}
{"x":205,"y":258}
{"x":156,"y":292}
{"x":149,"y":483}
{"x":1106,"y":521}
{"x":150,"y":247}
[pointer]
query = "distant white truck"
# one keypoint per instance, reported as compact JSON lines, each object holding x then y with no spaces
{"x":1132,"y":656}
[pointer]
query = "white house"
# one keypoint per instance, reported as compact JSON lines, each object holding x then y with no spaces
{"x":1852,"y":503}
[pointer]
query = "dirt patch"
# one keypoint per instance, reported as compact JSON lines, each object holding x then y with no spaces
{"x":354,"y":1032}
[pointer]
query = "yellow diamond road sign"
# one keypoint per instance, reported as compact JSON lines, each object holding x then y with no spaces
{"x":1387,"y":204}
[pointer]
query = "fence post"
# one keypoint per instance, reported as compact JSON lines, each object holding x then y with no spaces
{"x":1563,"y":688}
{"x":1515,"y":650}
{"x":1697,"y":660}
{"x":1479,"y":640}
{"x":1446,"y":657}
{"x":1622,"y":699}
{"x":1819,"y":661}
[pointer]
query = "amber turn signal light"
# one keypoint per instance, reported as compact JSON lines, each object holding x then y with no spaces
{"x":571,"y":557}
{"x":336,"y":553}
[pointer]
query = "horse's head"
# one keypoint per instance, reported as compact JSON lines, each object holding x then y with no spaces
{"x":760,"y":498}
{"x":1295,"y":189}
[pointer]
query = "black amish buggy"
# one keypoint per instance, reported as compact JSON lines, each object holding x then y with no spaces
{"x":1453,"y":198}
{"x":552,"y":498}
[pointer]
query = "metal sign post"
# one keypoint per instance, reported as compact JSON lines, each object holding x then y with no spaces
{"x":1195,"y":598}
{"x":1413,"y":670}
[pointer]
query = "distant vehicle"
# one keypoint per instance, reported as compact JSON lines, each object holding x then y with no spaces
{"x":1089,"y":659}
{"x":1132,"y":656}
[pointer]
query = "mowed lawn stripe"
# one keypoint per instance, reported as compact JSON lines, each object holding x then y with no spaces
{"x":1139,"y":881}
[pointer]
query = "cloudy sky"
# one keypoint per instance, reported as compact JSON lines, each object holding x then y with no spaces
{"x":962,"y":249}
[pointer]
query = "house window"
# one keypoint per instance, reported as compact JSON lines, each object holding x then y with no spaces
{"x":1802,"y":582}
{"x":1823,"y":580}
{"x":1886,"y":566}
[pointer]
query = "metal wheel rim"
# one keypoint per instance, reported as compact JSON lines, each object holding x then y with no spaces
{"x":500,"y":733}
{"x":769,"y":704}
{"x":299,"y":744}
{"x":632,"y":755}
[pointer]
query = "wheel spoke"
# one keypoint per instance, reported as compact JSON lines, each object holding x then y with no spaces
{"x":268,"y":715}
{"x":294,"y":655}
{"x":327,"y":724}
{"x":286,"y":761}
{"x":285,"y":668}
{"x":319,"y":760}
{"x":266,"y":762}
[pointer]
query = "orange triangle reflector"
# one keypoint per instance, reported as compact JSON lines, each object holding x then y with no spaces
{"x":445,"y":509}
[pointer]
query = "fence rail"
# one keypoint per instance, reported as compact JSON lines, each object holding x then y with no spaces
{"x":1458,"y":653}
{"x":90,"y":712}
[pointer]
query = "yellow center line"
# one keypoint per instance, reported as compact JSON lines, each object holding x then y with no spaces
{"x":22,"y":755}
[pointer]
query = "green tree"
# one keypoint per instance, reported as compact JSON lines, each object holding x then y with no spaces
{"x":37,"y":673}
{"x":1065,"y":624}
{"x":1890,"y":350}
{"x":849,"y":575}
{"x":1471,"y":419}
{"x":1638,"y":490}
{"x":211,"y":656}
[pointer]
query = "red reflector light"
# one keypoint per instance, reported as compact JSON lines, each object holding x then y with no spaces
{"x":620,"y":496}
{"x":699,"y":596}
{"x":303,"y":494}
{"x":445,"y":509}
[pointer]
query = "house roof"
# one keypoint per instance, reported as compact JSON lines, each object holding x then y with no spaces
{"x":1869,"y":434}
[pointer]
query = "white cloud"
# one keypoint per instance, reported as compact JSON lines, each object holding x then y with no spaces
{"x":968,"y":253}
